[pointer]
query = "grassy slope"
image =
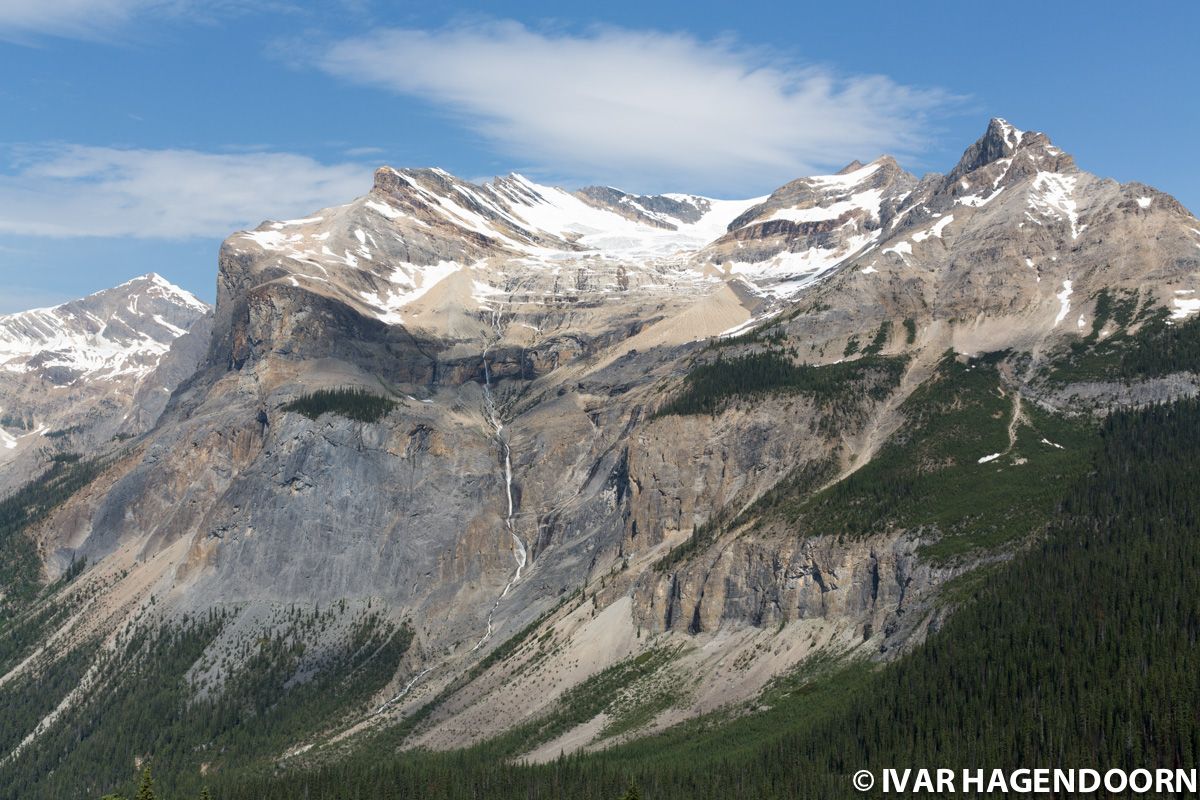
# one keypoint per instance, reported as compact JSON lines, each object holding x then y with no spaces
{"x":929,"y":476}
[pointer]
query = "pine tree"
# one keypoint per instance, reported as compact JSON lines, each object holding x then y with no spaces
{"x":146,"y":787}
{"x":632,"y":793}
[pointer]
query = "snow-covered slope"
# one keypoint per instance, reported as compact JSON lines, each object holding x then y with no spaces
{"x":808,"y":228}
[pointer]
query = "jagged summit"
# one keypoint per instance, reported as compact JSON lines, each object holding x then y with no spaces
{"x":1000,"y":140}
{"x":1005,"y":144}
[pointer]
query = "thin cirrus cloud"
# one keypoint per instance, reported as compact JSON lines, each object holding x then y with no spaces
{"x":24,"y":21}
{"x":655,"y":109}
{"x":76,"y":19}
{"x":77,"y":190}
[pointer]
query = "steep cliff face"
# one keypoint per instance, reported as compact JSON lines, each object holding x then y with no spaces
{"x":531,"y":470}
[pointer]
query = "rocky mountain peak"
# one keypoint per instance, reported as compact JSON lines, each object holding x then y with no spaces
{"x":1000,"y":140}
{"x":1004,"y":157}
{"x":390,"y":180}
{"x":1005,"y":144}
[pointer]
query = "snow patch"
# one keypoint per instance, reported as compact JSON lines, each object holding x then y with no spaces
{"x":863,"y":201}
{"x":287,"y":223}
{"x":1064,"y":302}
{"x":737,"y":330}
{"x":787,"y":274}
{"x":411,"y":283}
{"x":936,"y":230}
{"x":1185,"y":307}
{"x":852,"y":178}
{"x":1012,"y":135}
{"x":1052,"y":196}
{"x":978,"y":201}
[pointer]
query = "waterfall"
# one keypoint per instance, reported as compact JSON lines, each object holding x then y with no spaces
{"x":520,"y":553}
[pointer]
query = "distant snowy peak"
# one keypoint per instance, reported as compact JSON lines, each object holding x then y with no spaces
{"x":114,"y":333}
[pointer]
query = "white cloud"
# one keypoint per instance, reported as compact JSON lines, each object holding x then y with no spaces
{"x":75,"y":18}
{"x":658,"y":110}
{"x":76,"y":190}
{"x":22,"y":20}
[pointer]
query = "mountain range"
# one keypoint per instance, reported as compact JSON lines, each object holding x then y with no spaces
{"x":507,"y":466}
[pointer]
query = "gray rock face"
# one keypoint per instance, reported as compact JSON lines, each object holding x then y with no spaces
{"x":528,"y":335}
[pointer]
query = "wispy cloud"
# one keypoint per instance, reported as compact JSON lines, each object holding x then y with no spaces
{"x":27,"y":20}
{"x":648,"y":108}
{"x":76,"y":190}
{"x":358,"y":152}
{"x":73,"y":18}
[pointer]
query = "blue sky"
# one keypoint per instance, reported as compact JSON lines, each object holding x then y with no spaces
{"x":136,"y":134}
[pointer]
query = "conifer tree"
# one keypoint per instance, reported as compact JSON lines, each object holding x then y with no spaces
{"x":146,"y":787}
